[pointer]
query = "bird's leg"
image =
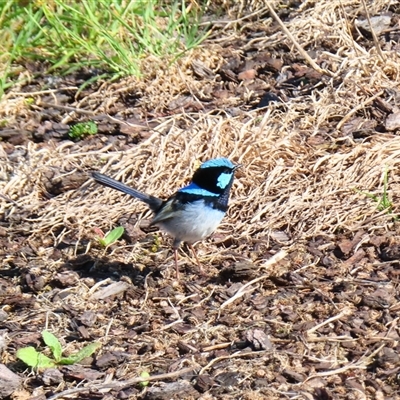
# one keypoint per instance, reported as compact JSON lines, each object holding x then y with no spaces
{"x":176,"y":263}
{"x":175,"y":246}
{"x":195,"y":256}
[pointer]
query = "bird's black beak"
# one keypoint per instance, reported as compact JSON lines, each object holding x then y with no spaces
{"x":237,"y":166}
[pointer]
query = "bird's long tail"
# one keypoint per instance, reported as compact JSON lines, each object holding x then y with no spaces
{"x":153,"y":202}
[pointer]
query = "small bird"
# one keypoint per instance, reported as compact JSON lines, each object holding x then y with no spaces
{"x":193,"y":212}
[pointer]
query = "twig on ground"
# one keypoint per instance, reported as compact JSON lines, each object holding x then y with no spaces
{"x":373,"y":33}
{"x":241,"y":292}
{"x":343,"y":313}
{"x":229,"y":23}
{"x":47,"y":91}
{"x":9,"y":200}
{"x":362,"y":363}
{"x":67,"y":108}
{"x":236,"y":355}
{"x":296,"y":44}
{"x":216,"y":347}
{"x":166,"y":327}
{"x":122,"y":384}
{"x":108,"y":328}
{"x":355,"y":109}
{"x":146,"y":286}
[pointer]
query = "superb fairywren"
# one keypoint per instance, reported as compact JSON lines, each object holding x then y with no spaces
{"x":193,"y":212}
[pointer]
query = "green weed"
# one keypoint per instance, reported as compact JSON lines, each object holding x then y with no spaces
{"x":109,"y":37}
{"x":144,"y":374}
{"x":156,"y":243}
{"x":110,"y":237}
{"x":384,"y":202}
{"x":31,"y":357}
{"x":82,"y":129}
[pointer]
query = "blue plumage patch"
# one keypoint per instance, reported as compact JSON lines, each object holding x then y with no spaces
{"x":218,"y":162}
{"x":197,"y":190}
{"x":223,"y":180}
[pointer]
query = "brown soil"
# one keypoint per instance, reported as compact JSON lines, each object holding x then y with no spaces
{"x":300,"y":299}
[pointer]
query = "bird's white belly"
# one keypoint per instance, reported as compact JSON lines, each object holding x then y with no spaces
{"x":195,"y":222}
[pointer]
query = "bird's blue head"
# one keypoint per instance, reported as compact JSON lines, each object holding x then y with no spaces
{"x":219,"y":162}
{"x":214,"y":178}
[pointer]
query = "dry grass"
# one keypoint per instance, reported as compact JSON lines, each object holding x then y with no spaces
{"x":287,"y":180}
{"x":284,"y":181}
{"x":300,"y":171}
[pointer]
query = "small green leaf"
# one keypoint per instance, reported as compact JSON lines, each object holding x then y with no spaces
{"x":34,"y":359}
{"x":82,"y":129}
{"x":53,"y":343}
{"x":112,"y":236}
{"x":85,"y":352}
{"x":102,"y":242}
{"x":144,"y":374}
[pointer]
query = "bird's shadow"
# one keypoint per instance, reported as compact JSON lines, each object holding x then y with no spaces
{"x":104,"y":267}
{"x":99,"y":268}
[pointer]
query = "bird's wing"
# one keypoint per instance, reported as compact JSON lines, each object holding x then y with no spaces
{"x":167,"y":211}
